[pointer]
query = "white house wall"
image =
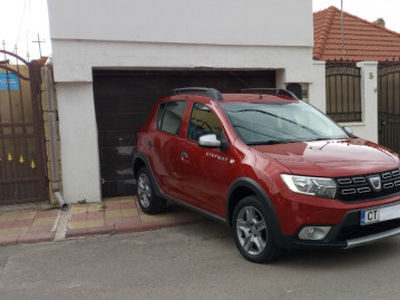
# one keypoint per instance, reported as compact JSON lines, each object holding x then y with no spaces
{"x":208,"y":33}
{"x":296,"y":61}
{"x":159,"y":34}
{"x":214,"y":22}
{"x":79,"y":150}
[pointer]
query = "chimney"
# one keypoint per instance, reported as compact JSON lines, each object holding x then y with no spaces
{"x":380,"y":21}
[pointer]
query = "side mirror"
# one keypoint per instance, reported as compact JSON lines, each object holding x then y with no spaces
{"x":209,"y":141}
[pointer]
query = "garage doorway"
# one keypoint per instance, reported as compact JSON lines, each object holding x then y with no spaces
{"x":124,"y":99}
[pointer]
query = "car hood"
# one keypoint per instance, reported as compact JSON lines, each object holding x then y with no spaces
{"x":332,"y":158}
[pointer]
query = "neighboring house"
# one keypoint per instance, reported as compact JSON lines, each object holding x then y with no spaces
{"x":362,"y":74}
{"x":363,"y":40}
{"x":113,"y":59}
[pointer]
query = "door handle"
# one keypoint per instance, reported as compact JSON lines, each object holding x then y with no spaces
{"x":184,"y":155}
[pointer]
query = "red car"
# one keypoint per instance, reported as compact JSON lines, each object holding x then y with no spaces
{"x":279,"y":172}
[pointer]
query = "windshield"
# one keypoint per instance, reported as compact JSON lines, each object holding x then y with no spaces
{"x":280,"y":122}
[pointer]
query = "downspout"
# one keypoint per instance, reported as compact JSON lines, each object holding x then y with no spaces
{"x":52,"y":113}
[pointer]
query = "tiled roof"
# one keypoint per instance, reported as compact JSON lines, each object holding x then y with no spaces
{"x":363,"y":40}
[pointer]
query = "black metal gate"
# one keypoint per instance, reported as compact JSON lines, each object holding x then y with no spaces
{"x":343,"y":91}
{"x":389,"y":105}
{"x":22,"y":151}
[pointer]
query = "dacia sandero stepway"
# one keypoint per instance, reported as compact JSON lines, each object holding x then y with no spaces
{"x":279,"y":172}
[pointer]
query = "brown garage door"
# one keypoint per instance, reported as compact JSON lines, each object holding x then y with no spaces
{"x":123,"y":100}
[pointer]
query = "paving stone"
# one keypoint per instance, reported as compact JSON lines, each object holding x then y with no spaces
{"x":25,"y":215}
{"x":22,"y":223}
{"x":121,"y":214}
{"x":44,"y":221}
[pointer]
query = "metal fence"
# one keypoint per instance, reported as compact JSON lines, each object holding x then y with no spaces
{"x":389,"y":104}
{"x":343,"y":91}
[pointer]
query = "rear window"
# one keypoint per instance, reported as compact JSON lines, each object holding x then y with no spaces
{"x":170,"y":116}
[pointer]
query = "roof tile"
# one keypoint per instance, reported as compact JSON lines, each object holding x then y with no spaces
{"x":363,"y":40}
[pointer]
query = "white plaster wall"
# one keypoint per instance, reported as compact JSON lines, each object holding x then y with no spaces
{"x":296,"y":61}
{"x":215,"y":22}
{"x":79,"y":150}
{"x":180,"y":33}
{"x":317,"y":87}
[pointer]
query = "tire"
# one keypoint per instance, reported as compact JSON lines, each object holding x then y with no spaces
{"x":252,"y":231}
{"x":149,"y":202}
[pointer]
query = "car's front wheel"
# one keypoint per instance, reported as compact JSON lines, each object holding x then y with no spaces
{"x":149,"y":202}
{"x":252,"y":231}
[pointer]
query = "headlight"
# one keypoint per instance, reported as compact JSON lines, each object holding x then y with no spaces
{"x":314,"y":186}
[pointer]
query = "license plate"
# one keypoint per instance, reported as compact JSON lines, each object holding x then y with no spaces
{"x":380,"y":214}
{"x":369,"y":216}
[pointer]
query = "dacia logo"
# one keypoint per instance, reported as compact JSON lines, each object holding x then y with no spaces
{"x":375,"y":182}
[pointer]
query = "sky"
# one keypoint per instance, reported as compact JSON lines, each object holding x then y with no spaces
{"x":369,"y":10}
{"x":23,"y":20}
{"x":20,"y":23}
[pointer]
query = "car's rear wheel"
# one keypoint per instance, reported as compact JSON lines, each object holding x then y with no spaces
{"x":252,"y":231}
{"x":149,"y":202}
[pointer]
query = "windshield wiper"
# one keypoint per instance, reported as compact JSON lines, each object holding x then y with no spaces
{"x":273,"y":142}
{"x":323,"y":139}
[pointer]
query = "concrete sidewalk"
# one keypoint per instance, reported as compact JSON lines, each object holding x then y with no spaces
{"x":114,"y":215}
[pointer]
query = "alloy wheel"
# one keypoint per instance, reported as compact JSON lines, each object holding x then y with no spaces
{"x":251,"y":230}
{"x":144,"y":190}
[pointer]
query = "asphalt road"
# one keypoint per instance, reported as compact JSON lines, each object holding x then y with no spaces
{"x":192,"y":262}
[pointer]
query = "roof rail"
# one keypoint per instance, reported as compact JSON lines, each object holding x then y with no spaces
{"x":203,"y":91}
{"x":270,"y":91}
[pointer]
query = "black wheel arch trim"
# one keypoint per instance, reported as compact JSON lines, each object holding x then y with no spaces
{"x":141,"y":156}
{"x":258,"y":191}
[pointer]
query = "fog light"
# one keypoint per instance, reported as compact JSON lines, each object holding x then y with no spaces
{"x":314,"y":233}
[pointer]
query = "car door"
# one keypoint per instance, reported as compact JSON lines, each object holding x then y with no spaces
{"x":205,"y":173}
{"x":165,"y":146}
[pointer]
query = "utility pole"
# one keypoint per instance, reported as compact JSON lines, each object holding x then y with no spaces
{"x":342,"y":24}
{"x":39,"y":43}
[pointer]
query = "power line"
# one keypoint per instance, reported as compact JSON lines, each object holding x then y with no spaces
{"x":22,"y":21}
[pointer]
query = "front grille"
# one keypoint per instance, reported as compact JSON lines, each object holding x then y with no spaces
{"x":368,"y":187}
{"x":356,"y":231}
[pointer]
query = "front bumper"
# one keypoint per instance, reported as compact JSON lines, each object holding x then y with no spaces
{"x":347,"y":234}
{"x":372,"y":238}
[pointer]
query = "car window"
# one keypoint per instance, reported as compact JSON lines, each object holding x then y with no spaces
{"x":280,"y":122}
{"x":203,"y":121}
{"x":170,"y":115}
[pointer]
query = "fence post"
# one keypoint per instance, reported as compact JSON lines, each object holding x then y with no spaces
{"x":317,"y":89}
{"x":368,"y":129}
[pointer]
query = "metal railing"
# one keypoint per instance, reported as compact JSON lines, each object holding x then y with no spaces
{"x":343,"y":91}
